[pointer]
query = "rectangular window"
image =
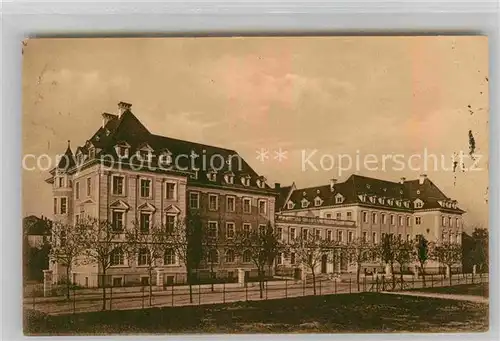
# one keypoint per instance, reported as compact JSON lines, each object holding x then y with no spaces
{"x":145,"y":220}
{"x":170,"y":191}
{"x":247,"y":205}
{"x":292,"y":233}
{"x":230,"y":204}
{"x":450,"y":222}
{"x":117,"y":221}
{"x":339,"y":215}
{"x":279,"y":232}
{"x":304,"y":233}
{"x":318,"y":234}
{"x":384,"y":219}
{"x":443,"y":221}
{"x":456,"y":222}
{"x":365,"y":237}
{"x":194,"y":200}
{"x":144,"y":259}
{"x":340,"y":236}
{"x":145,"y":188}
{"x":329,"y":235}
{"x":408,"y":221}
{"x":55,"y":205}
{"x":365,"y":217}
{"x":418,"y":220}
{"x":262,"y":206}
{"x":64,"y":207}
{"x":407,"y":237}
{"x":349,"y":215}
{"x":77,"y":190}
{"x":212,"y":229}
{"x":89,"y":186}
{"x":328,"y":216}
{"x":350,"y":236}
{"x":230,"y":230}
{"x":118,"y":185}
{"x":213,"y":202}
{"x":262,"y":229}
{"x":170,"y":223}
{"x":374,"y":237}
{"x":247,"y":228}
{"x":60,"y":181}
{"x":400,"y":221}
{"x":77,"y":218}
{"x":292,"y":258}
{"x":279,"y":258}
{"x":393,"y":219}
{"x":374,"y":218}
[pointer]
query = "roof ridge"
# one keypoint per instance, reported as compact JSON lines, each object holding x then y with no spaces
{"x":192,"y":142}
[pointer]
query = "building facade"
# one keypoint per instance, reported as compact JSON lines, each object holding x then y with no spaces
{"x":127,"y":175}
{"x":405,"y":209}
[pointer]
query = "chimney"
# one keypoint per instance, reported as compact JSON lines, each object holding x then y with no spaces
{"x":422,"y":178}
{"x":332,"y":184}
{"x":107,"y":117}
{"x":402,"y":180}
{"x":277,"y":185}
{"x":122,"y":107}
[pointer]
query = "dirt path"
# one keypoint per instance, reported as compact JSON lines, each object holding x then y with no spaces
{"x":469,"y":298}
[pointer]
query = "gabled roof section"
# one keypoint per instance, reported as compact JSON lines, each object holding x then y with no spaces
{"x":120,"y":204}
{"x":67,"y":160}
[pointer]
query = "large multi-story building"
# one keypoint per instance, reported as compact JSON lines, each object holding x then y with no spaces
{"x":125,"y":174}
{"x":376,"y":207}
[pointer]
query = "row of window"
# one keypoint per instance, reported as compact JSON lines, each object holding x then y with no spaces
{"x":401,"y":219}
{"x":213,"y":203}
{"x":451,"y":238}
{"x":145,"y":221}
{"x":338,"y":215}
{"x":448,"y":221}
{"x":145,"y":187}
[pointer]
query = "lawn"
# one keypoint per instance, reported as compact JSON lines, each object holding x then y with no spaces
{"x":343,"y":313}
{"x":480,"y":289}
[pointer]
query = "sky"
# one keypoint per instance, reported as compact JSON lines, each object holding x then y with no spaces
{"x":318,"y":100}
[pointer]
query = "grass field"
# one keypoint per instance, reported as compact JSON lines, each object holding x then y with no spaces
{"x":480,"y":289}
{"x":346,"y":313}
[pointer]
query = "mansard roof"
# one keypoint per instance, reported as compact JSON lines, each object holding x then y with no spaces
{"x":128,"y":128}
{"x":356,"y":187}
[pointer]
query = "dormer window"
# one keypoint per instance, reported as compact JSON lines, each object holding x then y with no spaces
{"x":261,"y":182}
{"x":362,"y":197}
{"x":122,"y":150}
{"x":165,"y":159}
{"x":418,"y":191}
{"x":339,"y":198}
{"x":145,"y":155}
{"x":398,"y":203}
{"x":229,"y":178}
{"x":318,"y":201}
{"x":305,"y":203}
{"x":194,"y":175}
{"x":372,"y":199}
{"x":418,"y":203}
{"x":80,"y":157}
{"x":92,"y":153}
{"x":290,"y":205}
{"x":406,"y":204}
{"x":245,"y":180}
{"x":212,"y":175}
{"x":381,"y":201}
{"x":368,"y":186}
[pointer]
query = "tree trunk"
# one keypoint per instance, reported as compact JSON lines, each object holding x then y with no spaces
{"x":422,"y":268}
{"x":212,"y":276}
{"x":449,"y":267}
{"x":393,"y":277}
{"x":150,"y":282}
{"x":314,"y":279}
{"x":261,"y":282}
{"x":190,"y":286}
{"x":358,"y":274}
{"x":401,"y":275}
{"x":104,"y":289}
{"x":67,"y":282}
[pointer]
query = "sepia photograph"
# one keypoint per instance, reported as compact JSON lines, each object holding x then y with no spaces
{"x":241,"y":185}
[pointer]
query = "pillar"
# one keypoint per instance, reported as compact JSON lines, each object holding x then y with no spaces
{"x":474,"y":269}
{"x":388,"y":270}
{"x":241,"y":277}
{"x":160,"y":278}
{"x":303,"y":273}
{"x":448,"y":271}
{"x":47,"y":283}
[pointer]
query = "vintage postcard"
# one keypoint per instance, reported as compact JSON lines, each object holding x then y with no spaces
{"x":255,"y":185}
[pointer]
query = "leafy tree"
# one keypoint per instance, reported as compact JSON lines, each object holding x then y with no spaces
{"x":359,"y":251}
{"x":186,"y":239}
{"x":148,"y":245}
{"x":387,"y":252}
{"x":66,"y":246}
{"x":102,"y":239}
{"x":448,"y":254}
{"x":263,"y":246}
{"x":404,"y":255}
{"x":480,"y":248}
{"x":211,"y":244}
{"x":309,"y":251}
{"x":423,"y":253}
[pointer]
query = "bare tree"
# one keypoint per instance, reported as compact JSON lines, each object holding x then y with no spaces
{"x":404,"y":255}
{"x":185,"y":237}
{"x":104,"y":246}
{"x":263,"y":246}
{"x":148,"y":244}
{"x":310,"y":250}
{"x":448,"y":254}
{"x":359,"y":251}
{"x":66,"y":246}
{"x":387,"y":252}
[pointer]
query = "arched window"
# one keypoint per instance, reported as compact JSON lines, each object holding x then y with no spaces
{"x":230,"y":256}
{"x":169,"y":257}
{"x":213,"y":256}
{"x":247,"y":256}
{"x":144,"y":257}
{"x":116,"y":257}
